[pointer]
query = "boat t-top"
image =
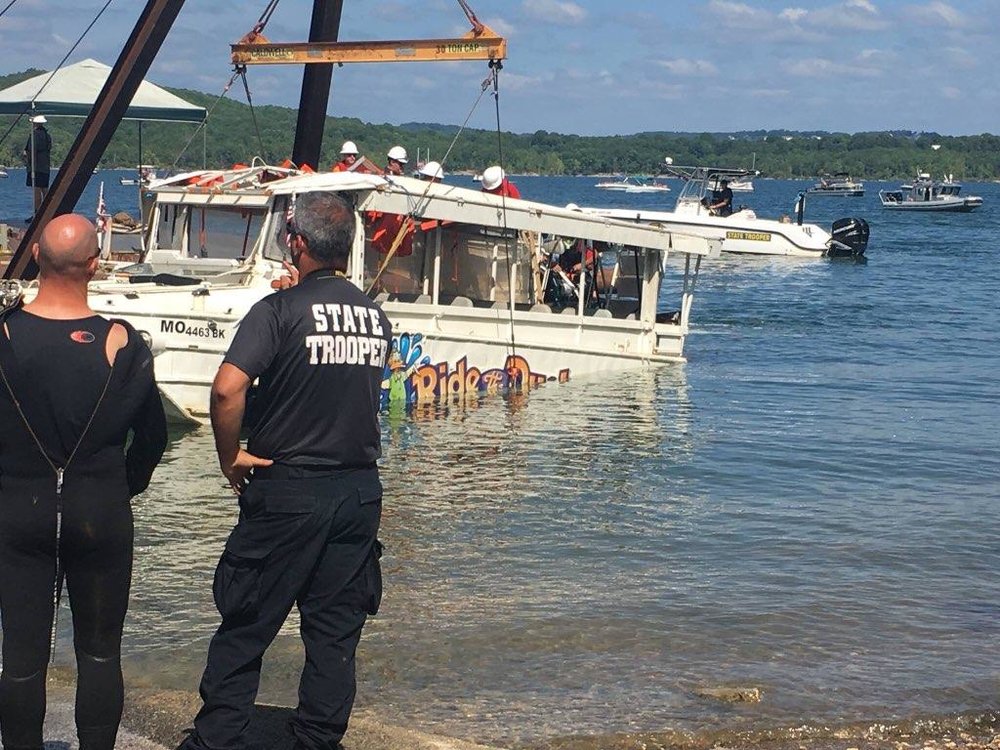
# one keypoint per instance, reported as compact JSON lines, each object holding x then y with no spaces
{"x":926,"y":194}
{"x":634,"y":185}
{"x":840,"y":184}
{"x":743,"y":231}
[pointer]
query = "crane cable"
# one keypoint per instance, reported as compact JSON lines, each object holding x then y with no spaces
{"x":57,"y":68}
{"x":417,"y":208}
{"x":8,"y":7}
{"x":495,"y":67}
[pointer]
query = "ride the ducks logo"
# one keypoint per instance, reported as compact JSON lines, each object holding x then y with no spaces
{"x":411,"y":377}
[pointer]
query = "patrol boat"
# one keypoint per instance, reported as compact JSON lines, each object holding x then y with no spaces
{"x":926,"y":194}
{"x":475,"y":302}
{"x":743,"y":231}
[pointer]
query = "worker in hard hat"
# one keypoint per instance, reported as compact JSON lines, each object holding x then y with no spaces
{"x":431,"y":172}
{"x":348,"y":158}
{"x":495,"y":181}
{"x":396,"y":161}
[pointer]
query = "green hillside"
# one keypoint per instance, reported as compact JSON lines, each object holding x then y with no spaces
{"x":232,"y":138}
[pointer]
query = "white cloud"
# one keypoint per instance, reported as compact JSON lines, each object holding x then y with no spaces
{"x":820,"y":67}
{"x":793,"y":14}
{"x":683,"y":67}
{"x":950,"y":92}
{"x":561,"y":12}
{"x":938,"y":12}
{"x":865,"y":5}
{"x":739,"y":15}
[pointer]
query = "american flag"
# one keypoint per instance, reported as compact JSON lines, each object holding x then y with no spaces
{"x":103,"y":223}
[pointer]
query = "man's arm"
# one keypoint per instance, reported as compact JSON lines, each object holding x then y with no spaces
{"x":229,"y":400}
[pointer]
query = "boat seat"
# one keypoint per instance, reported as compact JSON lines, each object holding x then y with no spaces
{"x":462,"y":302}
{"x":500,"y":305}
{"x":423,"y":299}
{"x":569,"y":311}
{"x":540,"y":307}
{"x":381,"y":297}
{"x":602,"y":313}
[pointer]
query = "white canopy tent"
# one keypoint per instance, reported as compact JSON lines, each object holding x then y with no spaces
{"x":74,"y":89}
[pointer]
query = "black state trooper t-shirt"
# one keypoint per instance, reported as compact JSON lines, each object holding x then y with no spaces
{"x":319,"y":350}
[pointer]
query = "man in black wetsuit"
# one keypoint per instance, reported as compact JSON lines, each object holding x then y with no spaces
{"x":73,"y":387}
{"x":310,"y":496}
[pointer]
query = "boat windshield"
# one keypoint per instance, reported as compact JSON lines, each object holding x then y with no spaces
{"x":209,"y":231}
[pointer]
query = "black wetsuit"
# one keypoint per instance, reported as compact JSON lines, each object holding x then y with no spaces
{"x":58,"y":371}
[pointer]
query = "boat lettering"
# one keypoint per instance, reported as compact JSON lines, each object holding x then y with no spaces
{"x":457,"y":49}
{"x":752,"y":236}
{"x":208,"y":330}
{"x":277,"y":53}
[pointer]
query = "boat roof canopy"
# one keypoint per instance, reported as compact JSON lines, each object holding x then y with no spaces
{"x":256,"y":187}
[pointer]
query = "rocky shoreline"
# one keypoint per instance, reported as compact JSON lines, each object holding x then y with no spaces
{"x":159,"y":720}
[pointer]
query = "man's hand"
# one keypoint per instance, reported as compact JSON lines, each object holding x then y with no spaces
{"x":240,"y":468}
{"x":290,"y":279}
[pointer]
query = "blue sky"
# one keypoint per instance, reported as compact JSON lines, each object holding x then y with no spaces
{"x":596,"y":66}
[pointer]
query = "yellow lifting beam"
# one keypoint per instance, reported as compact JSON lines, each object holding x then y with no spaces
{"x":481,"y":43}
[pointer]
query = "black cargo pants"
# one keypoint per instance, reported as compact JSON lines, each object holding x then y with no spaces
{"x":303,"y":538}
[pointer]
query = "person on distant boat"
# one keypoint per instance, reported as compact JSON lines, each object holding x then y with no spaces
{"x":396,"y":161}
{"x":495,"y":182}
{"x":37,"y":160}
{"x":722,"y":201}
{"x":431,"y":172}
{"x":75,"y":389}
{"x":348,"y":158}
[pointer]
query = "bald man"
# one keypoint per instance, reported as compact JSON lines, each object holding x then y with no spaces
{"x":74,"y":387}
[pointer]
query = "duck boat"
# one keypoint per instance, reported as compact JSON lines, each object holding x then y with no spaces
{"x":468,"y":296}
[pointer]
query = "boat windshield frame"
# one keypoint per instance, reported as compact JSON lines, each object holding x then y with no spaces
{"x":696,"y":180}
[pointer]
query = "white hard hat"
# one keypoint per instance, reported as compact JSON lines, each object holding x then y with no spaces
{"x":433,"y":170}
{"x":398,"y":153}
{"x":349,"y":148}
{"x":493,"y":177}
{"x":39,"y":119}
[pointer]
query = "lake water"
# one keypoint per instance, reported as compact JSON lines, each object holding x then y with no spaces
{"x":808,"y":506}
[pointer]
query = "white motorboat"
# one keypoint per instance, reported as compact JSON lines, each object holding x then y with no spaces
{"x":838,"y":184}
{"x":634,"y":185}
{"x":3,"y":173}
{"x":146,"y":173}
{"x":468,"y":298}
{"x":736,"y":184}
{"x":926,"y":194}
{"x":743,"y":231}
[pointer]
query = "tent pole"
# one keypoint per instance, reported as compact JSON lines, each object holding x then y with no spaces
{"x":204,"y":146}
{"x":316,"y":78}
{"x":78,"y":166}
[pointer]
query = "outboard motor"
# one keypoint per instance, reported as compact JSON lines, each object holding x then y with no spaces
{"x":849,"y":238}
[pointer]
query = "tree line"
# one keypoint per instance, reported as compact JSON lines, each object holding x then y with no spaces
{"x":232,"y":136}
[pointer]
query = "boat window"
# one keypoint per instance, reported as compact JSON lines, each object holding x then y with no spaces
{"x":398,"y":254}
{"x":223,"y":232}
{"x":170,"y":230}
{"x":476,"y":263}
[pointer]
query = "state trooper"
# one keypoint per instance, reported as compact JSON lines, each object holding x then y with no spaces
{"x":309,"y":491}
